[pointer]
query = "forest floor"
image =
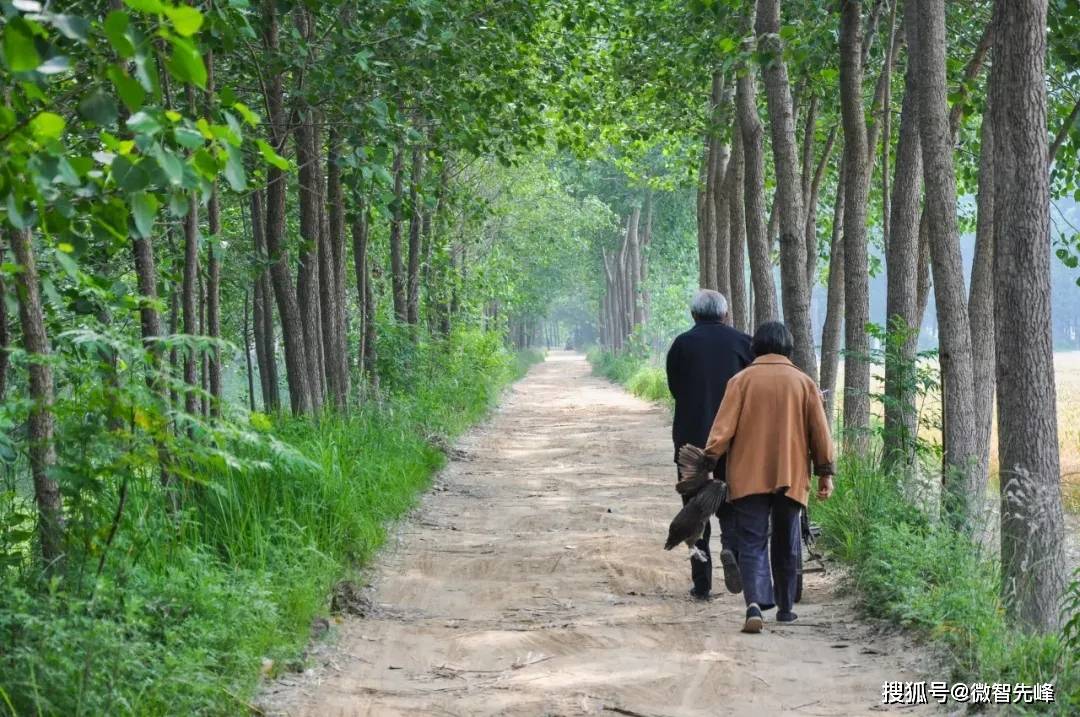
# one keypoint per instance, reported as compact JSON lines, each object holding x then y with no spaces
{"x":532,"y":580}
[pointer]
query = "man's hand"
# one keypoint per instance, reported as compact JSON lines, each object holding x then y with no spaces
{"x":824,"y":487}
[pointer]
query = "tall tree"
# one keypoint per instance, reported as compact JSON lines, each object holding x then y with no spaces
{"x":1032,"y":525}
{"x":296,"y":364}
{"x":794,"y":286}
{"x":927,"y":49}
{"x":764,"y":288}
{"x":902,"y":259}
{"x":856,"y":266}
{"x":41,"y":426}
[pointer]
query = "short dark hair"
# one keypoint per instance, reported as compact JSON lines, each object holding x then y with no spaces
{"x":772,"y":337}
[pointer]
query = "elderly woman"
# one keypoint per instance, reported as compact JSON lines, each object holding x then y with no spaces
{"x":771,"y":423}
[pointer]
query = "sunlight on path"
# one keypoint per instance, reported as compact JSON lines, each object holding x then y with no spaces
{"x":532,"y":581}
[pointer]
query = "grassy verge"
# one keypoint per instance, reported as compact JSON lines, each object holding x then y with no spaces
{"x":920,"y":574}
{"x":940,"y":584}
{"x":638,"y":375}
{"x":189,"y":610}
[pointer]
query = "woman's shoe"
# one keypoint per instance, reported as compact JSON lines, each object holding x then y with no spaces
{"x":754,"y":621}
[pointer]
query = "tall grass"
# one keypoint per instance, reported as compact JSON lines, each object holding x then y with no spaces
{"x":940,"y":583}
{"x":641,"y":378}
{"x":191,"y":609}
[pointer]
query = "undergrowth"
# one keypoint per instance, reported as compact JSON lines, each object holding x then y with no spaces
{"x":188,"y":610}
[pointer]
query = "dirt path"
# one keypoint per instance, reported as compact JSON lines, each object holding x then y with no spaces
{"x":532,"y":581}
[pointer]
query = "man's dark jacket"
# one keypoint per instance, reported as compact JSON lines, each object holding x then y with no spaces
{"x":699,"y":364}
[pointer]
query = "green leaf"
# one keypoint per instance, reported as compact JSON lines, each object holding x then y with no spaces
{"x":188,"y":137}
{"x":47,"y":126}
{"x":130,"y":91}
{"x":185,"y":19}
{"x":170,"y":164}
{"x":72,"y":27}
{"x":186,"y":63}
{"x":234,"y":169}
{"x":116,"y":27}
{"x":99,"y":108}
{"x":145,"y":5}
{"x":19,"y":49}
{"x":143,"y":123}
{"x":250,"y":117}
{"x":144,"y":209}
{"x":129,"y":176}
{"x":271,"y":156}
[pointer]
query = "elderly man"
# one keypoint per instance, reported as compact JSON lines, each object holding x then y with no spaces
{"x":699,"y":364}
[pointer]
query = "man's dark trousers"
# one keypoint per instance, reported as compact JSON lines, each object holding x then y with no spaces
{"x":756,"y":550}
{"x":701,"y":571}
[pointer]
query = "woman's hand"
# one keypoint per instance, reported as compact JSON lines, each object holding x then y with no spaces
{"x":824,"y":487}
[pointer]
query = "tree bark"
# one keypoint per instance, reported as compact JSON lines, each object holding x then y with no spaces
{"x":307,"y":274}
{"x":981,"y":309}
{"x":189,"y":300}
{"x":634,"y":274}
{"x":959,"y":434}
{"x":399,"y":283}
{"x":213,"y":273}
{"x":832,"y":330}
{"x":796,"y":294}
{"x":856,"y":268}
{"x":416,"y":218}
{"x":765,"y":303}
{"x":360,"y":226}
{"x":337,"y":350}
{"x":902,"y":264}
{"x":740,"y":314}
{"x":42,"y":448}
{"x":1032,"y":523}
{"x":264,"y":311}
{"x":296,"y":368}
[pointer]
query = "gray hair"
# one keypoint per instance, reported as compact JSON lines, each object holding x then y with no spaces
{"x":709,"y":305}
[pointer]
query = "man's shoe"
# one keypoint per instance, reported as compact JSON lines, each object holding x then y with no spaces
{"x":732,"y":576}
{"x":704,"y":597}
{"x":786,"y":616}
{"x":754,"y":621}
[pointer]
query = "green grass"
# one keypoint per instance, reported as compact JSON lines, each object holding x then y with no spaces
{"x":190,"y":610}
{"x":640,"y":377}
{"x":938,"y":583}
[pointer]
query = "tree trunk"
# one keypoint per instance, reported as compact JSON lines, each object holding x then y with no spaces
{"x":371,"y":354}
{"x":360,"y":226}
{"x":213,"y":274}
{"x":1032,"y":524}
{"x":958,"y":405}
{"x":856,"y":267}
{"x":646,"y":240}
{"x":832,"y":330}
{"x":213,"y":302}
{"x":981,"y":308}
{"x":416,"y":218}
{"x":337,"y":352}
{"x":296,"y":368}
{"x":902,"y":265}
{"x":307,"y":275}
{"x":795,"y":290}
{"x":399,"y":283}
{"x":740,"y":314}
{"x":702,"y":222}
{"x":765,"y":304}
{"x":41,"y":425}
{"x":247,"y":352}
{"x":264,"y":311}
{"x":189,"y":300}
